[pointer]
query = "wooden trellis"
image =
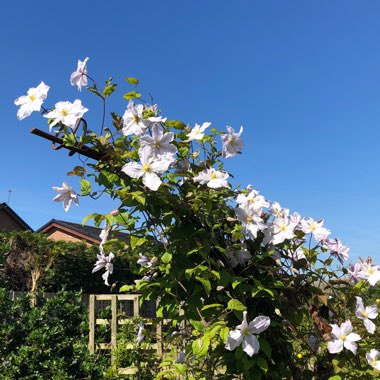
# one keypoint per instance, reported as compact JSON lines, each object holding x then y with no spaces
{"x":115,"y":322}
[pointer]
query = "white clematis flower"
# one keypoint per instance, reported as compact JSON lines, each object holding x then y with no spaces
{"x":104,"y":262}
{"x":67,"y":195}
{"x":366,"y":314}
{"x":32,"y":101}
{"x":212,"y":178}
{"x":319,"y":232}
{"x":148,"y":169}
{"x":343,"y":338}
{"x":197,"y":132}
{"x":159,"y":143}
{"x":245,"y":334}
{"x":372,"y":357}
{"x":369,"y":272}
{"x":140,"y":333}
{"x":232,"y":143}
{"x":79,"y":77}
{"x":337,"y":249}
{"x":66,"y":113}
{"x":133,"y":120}
{"x":239,"y":257}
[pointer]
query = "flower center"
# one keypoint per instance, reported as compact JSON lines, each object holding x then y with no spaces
{"x":213,"y":176}
{"x":64,"y":112}
{"x":232,"y":141}
{"x":365,"y":314}
{"x":283,"y":227}
{"x":136,"y":118}
{"x":146,"y":168}
{"x":32,"y":97}
{"x":249,"y":219}
{"x":157,"y":145}
{"x":343,"y":337}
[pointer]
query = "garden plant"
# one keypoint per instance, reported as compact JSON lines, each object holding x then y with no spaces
{"x":251,"y":289}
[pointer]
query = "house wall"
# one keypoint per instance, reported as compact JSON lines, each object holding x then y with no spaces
{"x":8,"y":223}
{"x":55,"y":234}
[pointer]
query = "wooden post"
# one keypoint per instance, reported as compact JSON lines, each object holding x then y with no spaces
{"x":113,"y":330}
{"x":91,"y":313}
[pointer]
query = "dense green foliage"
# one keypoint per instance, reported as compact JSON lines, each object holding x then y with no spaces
{"x":60,"y":264}
{"x":48,"y":341}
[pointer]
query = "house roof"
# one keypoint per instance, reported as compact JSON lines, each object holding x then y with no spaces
{"x":8,"y":210}
{"x":88,"y":233}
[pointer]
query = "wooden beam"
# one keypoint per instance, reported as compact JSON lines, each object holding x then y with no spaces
{"x":84,"y":151}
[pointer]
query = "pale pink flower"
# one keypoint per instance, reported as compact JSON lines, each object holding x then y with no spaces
{"x":372,"y":359}
{"x":337,"y":249}
{"x":67,"y":195}
{"x":197,"y":132}
{"x":343,"y":338}
{"x":245,"y":334}
{"x":212,"y":178}
{"x":232,"y":143}
{"x":66,"y":113}
{"x":104,"y":262}
{"x":159,"y":143}
{"x":133,"y":120}
{"x":366,"y":314}
{"x":79,"y":77}
{"x":32,"y":101}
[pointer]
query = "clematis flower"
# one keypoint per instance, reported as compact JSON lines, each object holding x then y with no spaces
{"x":245,"y":334}
{"x":232,"y":143}
{"x":148,"y":169}
{"x":337,"y":249}
{"x":197,"y":132}
{"x":67,"y":195}
{"x":212,"y":178}
{"x":253,"y":200}
{"x":133,"y":120}
{"x":32,"y":101}
{"x":144,"y":261}
{"x":369,"y":272}
{"x":372,"y":359}
{"x":159,"y":143}
{"x":252,"y":223}
{"x":79,"y":77}
{"x":310,"y":225}
{"x":343,"y":338}
{"x":66,"y":113}
{"x":104,"y":262}
{"x":366,"y":314}
{"x":140,"y":333}
{"x":282,"y":229}
{"x":239,"y":257}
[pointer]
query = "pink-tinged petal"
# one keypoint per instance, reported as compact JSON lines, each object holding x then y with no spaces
{"x":259,"y":324}
{"x":251,"y":345}
{"x":376,"y":365}
{"x":336,"y":331}
{"x":372,"y":311}
{"x":335,"y":346}
{"x":351,"y":346}
{"x":346,"y":327}
{"x":161,"y":165}
{"x":359,"y":307}
{"x":152,"y":181}
{"x":353,"y":337}
{"x":105,"y":277}
{"x":234,"y":339}
{"x":369,"y":325}
{"x":133,"y":169}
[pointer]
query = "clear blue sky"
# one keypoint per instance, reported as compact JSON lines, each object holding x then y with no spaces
{"x":302,"y":77}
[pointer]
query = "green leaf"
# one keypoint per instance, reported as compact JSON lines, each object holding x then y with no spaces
{"x":109,"y":90}
{"x":88,"y":217}
{"x":206,"y":284}
{"x":137,"y":241}
{"x":166,"y":258}
{"x":212,"y":306}
{"x":131,"y":95}
{"x":126,"y":288}
{"x":223,"y":333}
{"x":132,"y":80}
{"x":85,"y":186}
{"x":336,"y":377}
{"x":139,"y":196}
{"x":262,"y":363}
{"x":198,"y":325}
{"x":266,"y":348}
{"x":234,"y":304}
{"x":180,"y":368}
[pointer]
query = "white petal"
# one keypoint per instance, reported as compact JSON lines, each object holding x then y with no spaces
{"x":369,"y":325}
{"x":133,"y":169}
{"x":259,"y":324}
{"x":346,"y":327}
{"x":336,"y":331}
{"x":152,"y":181}
{"x":251,"y":345}
{"x":351,"y":346}
{"x":372,"y":311}
{"x":359,"y":307}
{"x":335,"y":346}
{"x":353,"y":337}
{"x":234,"y":339}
